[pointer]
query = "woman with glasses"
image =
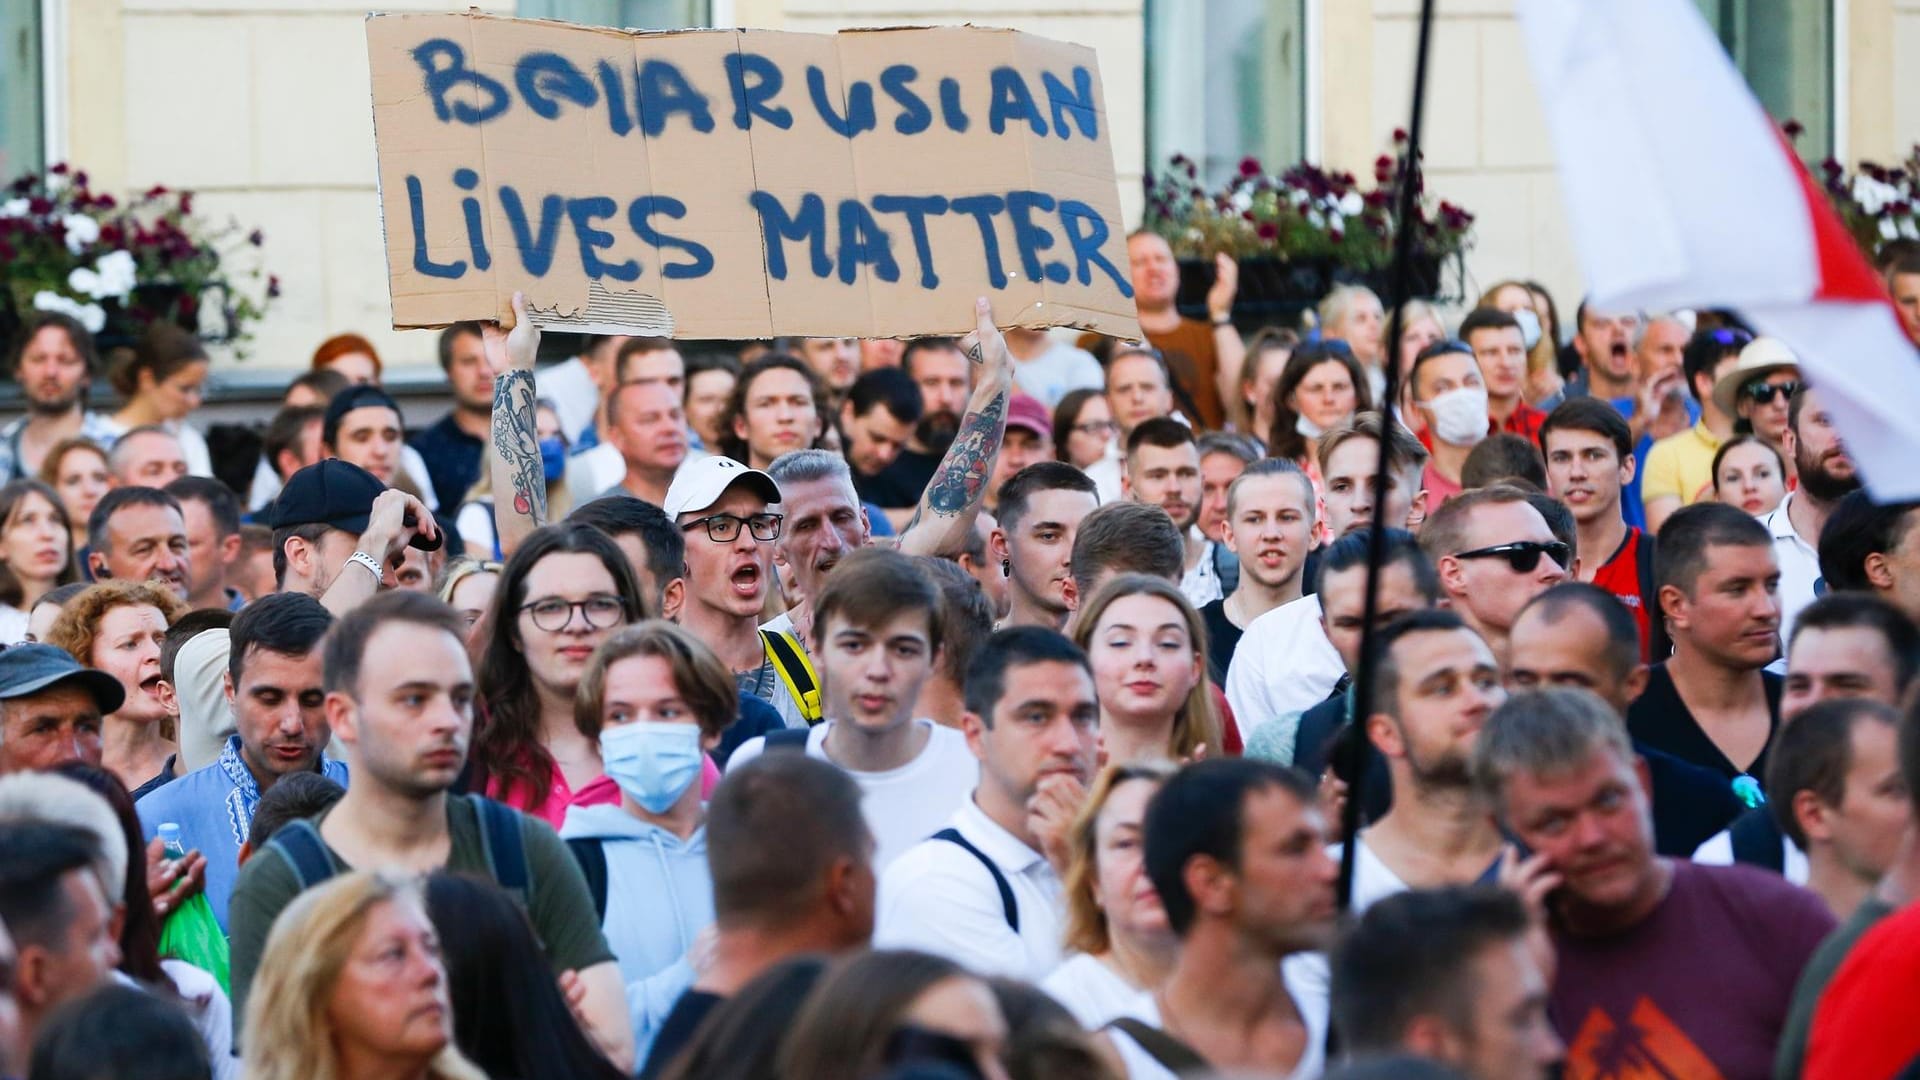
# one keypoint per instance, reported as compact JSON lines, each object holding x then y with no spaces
{"x":1086,"y":436}
{"x":564,"y":591}
{"x":1757,"y":393}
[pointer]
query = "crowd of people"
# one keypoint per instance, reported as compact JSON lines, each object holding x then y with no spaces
{"x":965,"y":707}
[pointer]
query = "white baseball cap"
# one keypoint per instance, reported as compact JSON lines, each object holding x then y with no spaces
{"x":699,"y":484}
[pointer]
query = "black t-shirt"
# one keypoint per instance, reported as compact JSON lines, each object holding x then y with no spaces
{"x":1691,"y":803}
{"x":676,"y":1031}
{"x":1222,"y":638}
{"x":899,"y":485}
{"x":1659,"y":719}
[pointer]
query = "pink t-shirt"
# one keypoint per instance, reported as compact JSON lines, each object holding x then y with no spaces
{"x":599,"y":791}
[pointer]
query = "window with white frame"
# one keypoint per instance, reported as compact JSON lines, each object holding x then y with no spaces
{"x":1226,"y":80}
{"x":626,"y":14}
{"x":22,"y":90}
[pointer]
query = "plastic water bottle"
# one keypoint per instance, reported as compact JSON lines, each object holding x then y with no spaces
{"x":191,"y":932}
{"x":169,"y":832}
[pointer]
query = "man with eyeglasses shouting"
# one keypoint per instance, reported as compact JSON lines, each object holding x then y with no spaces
{"x":721,"y":508}
{"x":1494,"y":552}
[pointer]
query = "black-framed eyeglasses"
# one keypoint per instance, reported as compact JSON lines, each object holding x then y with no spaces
{"x":1761,"y":393}
{"x":1097,"y":427}
{"x":601,"y":611}
{"x":725,"y":528}
{"x":1523,"y":555}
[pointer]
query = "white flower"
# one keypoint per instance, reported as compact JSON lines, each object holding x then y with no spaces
{"x":1297,"y":197}
{"x":83,"y":280}
{"x":1871,"y":194}
{"x":1351,"y":204}
{"x":113,"y":274}
{"x":1241,"y":201}
{"x":14,"y":208}
{"x":81,"y":231}
{"x":1316,"y":219}
{"x":1908,"y":229}
{"x":91,"y":316}
{"x":56,"y":183}
{"x":1887,"y":229}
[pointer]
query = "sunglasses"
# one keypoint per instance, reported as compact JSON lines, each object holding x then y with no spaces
{"x":1523,"y":555}
{"x":1762,"y":393}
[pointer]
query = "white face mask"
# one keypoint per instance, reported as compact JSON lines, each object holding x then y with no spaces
{"x":1307,"y":427}
{"x":1529,"y":322}
{"x":1460,"y":416}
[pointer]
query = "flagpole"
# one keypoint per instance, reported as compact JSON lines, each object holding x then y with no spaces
{"x":1356,"y":748}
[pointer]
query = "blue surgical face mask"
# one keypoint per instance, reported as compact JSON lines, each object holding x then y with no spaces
{"x":553,"y":455}
{"x":654,"y":763}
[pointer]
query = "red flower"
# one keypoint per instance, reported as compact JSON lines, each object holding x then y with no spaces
{"x":186,"y":202}
{"x":59,"y":170}
{"x":273,"y":285}
{"x":1267,"y":230}
{"x":1336,"y":235}
{"x":155,"y":191}
{"x":1247,"y":214}
{"x":1250,"y":166}
{"x":1793,"y":129}
{"x":1399,"y":135}
{"x":104,"y":202}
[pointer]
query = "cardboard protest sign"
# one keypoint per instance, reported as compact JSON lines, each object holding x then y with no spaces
{"x":744,"y":184}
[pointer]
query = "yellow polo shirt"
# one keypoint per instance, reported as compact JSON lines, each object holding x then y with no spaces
{"x":1680,"y":465}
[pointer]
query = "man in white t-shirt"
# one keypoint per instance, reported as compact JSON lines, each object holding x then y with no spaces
{"x":876,"y":636}
{"x":981,"y":892}
{"x":1049,"y":369}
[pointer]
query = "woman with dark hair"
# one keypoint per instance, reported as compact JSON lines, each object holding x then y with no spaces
{"x":1321,"y":388}
{"x":163,"y":380}
{"x":509,"y":1016}
{"x":1748,"y":472}
{"x":1083,"y":428}
{"x":195,"y":988}
{"x":741,"y":1038}
{"x":564,"y":591}
{"x":119,"y":1032}
{"x":879,"y":1010}
{"x":35,"y":552}
{"x":1044,"y":1041}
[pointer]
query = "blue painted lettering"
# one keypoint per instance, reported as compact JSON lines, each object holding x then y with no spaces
{"x":445,"y":66}
{"x":914,"y":116}
{"x":982,"y":208}
{"x":751,"y":100}
{"x":617,"y":118}
{"x":1013,"y":101}
{"x":859,"y":116}
{"x":467,"y":180}
{"x":543,"y":76}
{"x":536,"y":251}
{"x":1032,"y":239}
{"x":916,"y":208}
{"x":1077,"y":102}
{"x":864,"y":243}
{"x":1074,"y":215}
{"x":584,"y":213}
{"x":776,"y":226}
{"x":648,"y":205}
{"x":950,"y":110}
{"x":665,"y":91}
{"x":422,"y":263}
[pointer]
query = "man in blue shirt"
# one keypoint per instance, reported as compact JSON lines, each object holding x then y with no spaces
{"x":273,"y":685}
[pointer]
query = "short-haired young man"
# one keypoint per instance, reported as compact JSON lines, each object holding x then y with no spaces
{"x":1041,"y":508}
{"x":1500,"y":349}
{"x":1825,"y":474}
{"x":273,"y":687}
{"x":792,"y":863}
{"x":1451,"y":399}
{"x":340,"y":534}
{"x":1839,"y":799}
{"x":1124,"y":538}
{"x":1846,"y":646}
{"x":212,"y":517}
{"x":1678,"y":469}
{"x":1269,"y":529}
{"x":876,"y":641}
{"x":1576,"y":635}
{"x":596,"y":464}
{"x":1873,"y":547}
{"x":139,"y":534}
{"x":1448,"y":975}
{"x":877,"y":418}
{"x":710,"y":380}
{"x":1349,"y":464}
{"x":51,"y":708}
{"x":966,"y":622}
{"x":1224,"y":455}
{"x":1698,"y":962}
{"x":1435,"y":683}
{"x":399,"y":697}
{"x":1163,"y":470}
{"x":149,"y":456}
{"x":456,"y":445}
{"x":55,"y":907}
{"x":982,"y":891}
{"x":1589,"y":463}
{"x":1712,"y":703}
{"x":363,"y":427}
{"x":1494,"y":552}
{"x":1139,"y":387}
{"x":1505,"y":458}
{"x":1235,"y":850}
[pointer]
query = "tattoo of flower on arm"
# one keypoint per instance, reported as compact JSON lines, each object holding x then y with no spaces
{"x":962,"y":479}
{"x":519,"y":444}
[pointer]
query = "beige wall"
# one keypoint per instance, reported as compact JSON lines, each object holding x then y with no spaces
{"x":262,"y":106}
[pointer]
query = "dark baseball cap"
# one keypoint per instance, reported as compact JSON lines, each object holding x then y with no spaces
{"x":27,"y":669}
{"x":355,"y":397}
{"x":336,"y":493}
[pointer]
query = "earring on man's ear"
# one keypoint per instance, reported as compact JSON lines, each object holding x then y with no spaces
{"x":1006,"y":567}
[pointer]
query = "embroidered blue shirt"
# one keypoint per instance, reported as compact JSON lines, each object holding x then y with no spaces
{"x":214,"y":806}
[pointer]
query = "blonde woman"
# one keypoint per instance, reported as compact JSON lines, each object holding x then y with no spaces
{"x":351,"y":988}
{"x":1116,"y":928}
{"x":1543,"y":359}
{"x":1148,"y":648}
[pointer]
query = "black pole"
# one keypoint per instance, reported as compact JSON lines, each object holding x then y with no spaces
{"x":1357,"y":749}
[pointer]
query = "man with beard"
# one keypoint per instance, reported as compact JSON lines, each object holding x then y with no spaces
{"x":1436,"y":683}
{"x":1163,"y":470}
{"x":1826,"y":476}
{"x":945,"y":379}
{"x":456,"y":444}
{"x":139,"y":534}
{"x":54,"y":367}
{"x":877,"y":418}
{"x":274,"y":690}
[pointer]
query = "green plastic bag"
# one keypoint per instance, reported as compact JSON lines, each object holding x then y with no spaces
{"x":191,"y":933}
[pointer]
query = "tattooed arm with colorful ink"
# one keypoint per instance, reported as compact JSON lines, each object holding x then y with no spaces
{"x":518,"y":480}
{"x":952,"y":500}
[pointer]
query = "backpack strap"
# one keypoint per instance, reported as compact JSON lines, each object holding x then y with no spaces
{"x":299,"y":843}
{"x":591,"y":853}
{"x":1757,"y":840}
{"x":1173,"y":1055}
{"x":791,"y":662}
{"x":1659,"y":645}
{"x":1008,"y":905}
{"x":788,"y":739}
{"x":506,"y":848}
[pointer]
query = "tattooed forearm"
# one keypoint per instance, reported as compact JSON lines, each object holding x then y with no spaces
{"x":961,"y":480}
{"x":517,"y":443}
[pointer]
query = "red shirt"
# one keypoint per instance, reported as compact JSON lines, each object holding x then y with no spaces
{"x":1620,"y":575}
{"x":1525,"y":421}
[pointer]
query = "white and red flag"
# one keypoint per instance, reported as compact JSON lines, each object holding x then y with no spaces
{"x":1682,"y":193}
